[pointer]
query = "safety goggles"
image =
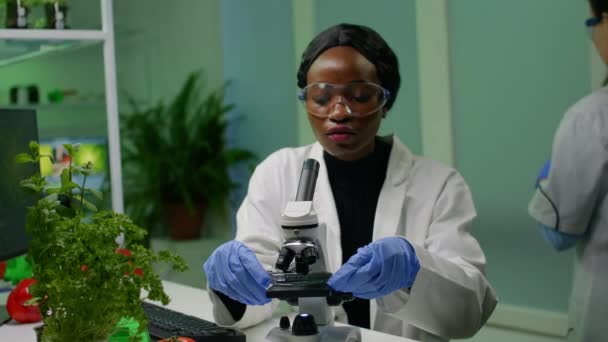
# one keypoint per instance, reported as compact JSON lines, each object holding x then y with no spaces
{"x":358,"y":98}
{"x":590,"y":24}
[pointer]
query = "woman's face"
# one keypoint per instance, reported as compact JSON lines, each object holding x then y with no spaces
{"x":342,"y":135}
{"x":600,"y":37}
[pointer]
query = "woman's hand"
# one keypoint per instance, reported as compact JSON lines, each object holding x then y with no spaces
{"x":234,"y":270}
{"x":382,"y":267}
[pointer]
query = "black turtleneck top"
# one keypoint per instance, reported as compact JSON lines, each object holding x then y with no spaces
{"x":356,"y":187}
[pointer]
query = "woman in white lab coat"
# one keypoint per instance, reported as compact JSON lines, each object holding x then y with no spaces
{"x":398,"y":225}
{"x":571,"y":199}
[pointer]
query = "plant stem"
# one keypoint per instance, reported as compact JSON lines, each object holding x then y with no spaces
{"x":82,"y":192}
{"x":70,"y":177}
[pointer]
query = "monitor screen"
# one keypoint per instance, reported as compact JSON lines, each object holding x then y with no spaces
{"x":90,"y":149}
{"x":17,"y":128}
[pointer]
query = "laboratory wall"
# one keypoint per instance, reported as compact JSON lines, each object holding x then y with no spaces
{"x":258,"y":59}
{"x":516,"y":68}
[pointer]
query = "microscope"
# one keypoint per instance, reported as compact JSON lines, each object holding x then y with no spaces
{"x":302,"y":276}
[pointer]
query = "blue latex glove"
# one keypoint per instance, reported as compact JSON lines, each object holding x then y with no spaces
{"x":544,"y":173}
{"x":382,"y":267}
{"x":234,"y":270}
{"x":560,"y":241}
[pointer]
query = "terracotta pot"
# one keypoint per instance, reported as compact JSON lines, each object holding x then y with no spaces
{"x":184,"y":225}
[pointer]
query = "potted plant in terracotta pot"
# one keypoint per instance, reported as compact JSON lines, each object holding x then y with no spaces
{"x":86,"y":284}
{"x":176,"y":161}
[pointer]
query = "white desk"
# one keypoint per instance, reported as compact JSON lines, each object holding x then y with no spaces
{"x":191,"y":301}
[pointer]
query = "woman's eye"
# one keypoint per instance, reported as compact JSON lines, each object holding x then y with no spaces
{"x":321,"y":100}
{"x":362,"y":98}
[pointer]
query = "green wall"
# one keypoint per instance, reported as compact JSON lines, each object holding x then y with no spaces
{"x":258,"y":61}
{"x":516,"y":67}
{"x":159,"y":42}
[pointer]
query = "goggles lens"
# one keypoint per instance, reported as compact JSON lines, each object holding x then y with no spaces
{"x":361,"y":99}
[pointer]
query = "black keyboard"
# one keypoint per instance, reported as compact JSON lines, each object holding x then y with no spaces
{"x":165,"y":323}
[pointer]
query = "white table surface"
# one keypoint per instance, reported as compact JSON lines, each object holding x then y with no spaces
{"x":191,"y":301}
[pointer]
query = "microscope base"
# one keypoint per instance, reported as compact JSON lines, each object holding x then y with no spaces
{"x":326,"y":334}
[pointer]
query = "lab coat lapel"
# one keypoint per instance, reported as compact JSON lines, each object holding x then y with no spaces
{"x":389,"y":210}
{"x":326,"y":210}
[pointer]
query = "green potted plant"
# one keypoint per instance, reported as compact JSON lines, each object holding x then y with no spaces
{"x":85,"y":283}
{"x":176,"y":162}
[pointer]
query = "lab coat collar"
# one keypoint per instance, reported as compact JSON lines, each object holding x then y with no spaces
{"x":399,"y":163}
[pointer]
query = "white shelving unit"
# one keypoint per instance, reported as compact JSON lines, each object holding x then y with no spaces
{"x":29,"y":44}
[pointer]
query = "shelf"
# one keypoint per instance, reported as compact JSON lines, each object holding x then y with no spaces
{"x":20,"y":45}
{"x":52,"y":35}
{"x":60,"y":107}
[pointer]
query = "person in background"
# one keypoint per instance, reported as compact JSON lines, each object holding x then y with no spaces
{"x":571,"y":203}
{"x":398,"y":225}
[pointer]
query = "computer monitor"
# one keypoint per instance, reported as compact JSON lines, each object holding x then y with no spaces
{"x":17,"y":128}
{"x":90,"y":149}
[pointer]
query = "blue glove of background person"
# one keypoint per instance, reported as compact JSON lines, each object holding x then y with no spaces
{"x":544,"y":173}
{"x":382,"y":267}
{"x":559,"y":240}
{"x":234,"y":270}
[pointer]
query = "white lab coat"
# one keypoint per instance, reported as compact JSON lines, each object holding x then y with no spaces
{"x":575,"y":201}
{"x":422,"y":200}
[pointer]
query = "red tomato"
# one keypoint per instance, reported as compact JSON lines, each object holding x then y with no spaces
{"x":138,"y":272}
{"x":2,"y":269}
{"x":16,"y":307}
{"x":178,"y":339}
{"x":123,"y":251}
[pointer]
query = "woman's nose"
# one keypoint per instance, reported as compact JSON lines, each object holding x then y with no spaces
{"x":340,"y":111}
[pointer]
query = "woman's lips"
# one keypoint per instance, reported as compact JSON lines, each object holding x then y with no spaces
{"x":340,"y":137}
{"x":340,"y":134}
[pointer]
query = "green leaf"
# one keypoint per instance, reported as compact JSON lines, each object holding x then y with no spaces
{"x":65,"y":177}
{"x":52,"y":198}
{"x":53,"y":190}
{"x":77,"y":200}
{"x":85,"y":169}
{"x":33,"y":184}
{"x":34,"y":148}
{"x":23,"y":158}
{"x":30,"y":186}
{"x":96,"y":193}
{"x":72,"y":149}
{"x":69,"y":185}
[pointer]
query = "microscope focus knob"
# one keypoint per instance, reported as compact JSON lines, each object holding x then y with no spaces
{"x":284,"y":323}
{"x":310,"y":255}
{"x":304,"y":325}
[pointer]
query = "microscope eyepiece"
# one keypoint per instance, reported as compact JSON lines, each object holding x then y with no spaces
{"x":308,"y":180}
